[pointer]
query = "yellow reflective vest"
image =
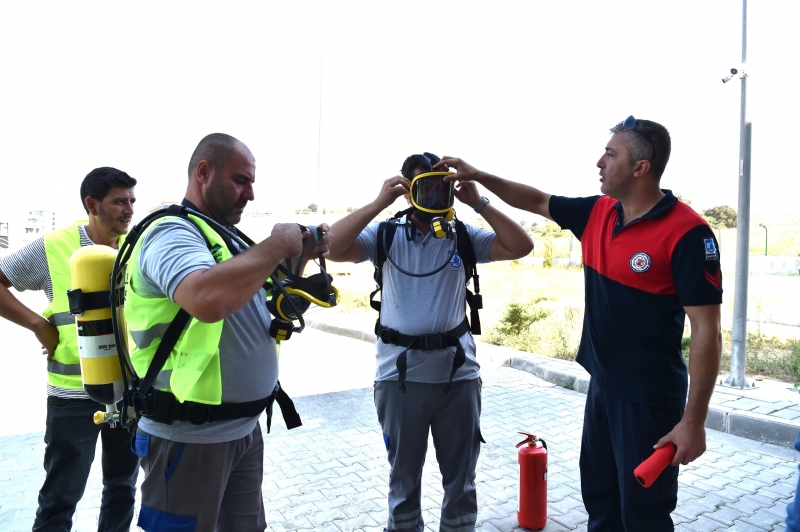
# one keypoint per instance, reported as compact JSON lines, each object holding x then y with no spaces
{"x":64,"y":369}
{"x":192,"y":370}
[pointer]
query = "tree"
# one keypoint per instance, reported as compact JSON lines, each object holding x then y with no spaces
{"x":722,"y":216}
{"x":550,"y":230}
{"x":312,"y":207}
{"x":681,"y":197}
{"x":548,"y":253}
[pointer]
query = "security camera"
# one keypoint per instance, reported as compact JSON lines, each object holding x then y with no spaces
{"x":736,"y":72}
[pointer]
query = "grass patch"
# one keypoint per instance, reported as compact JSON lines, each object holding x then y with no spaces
{"x":538,"y":326}
{"x":540,"y":310}
{"x":771,"y":357}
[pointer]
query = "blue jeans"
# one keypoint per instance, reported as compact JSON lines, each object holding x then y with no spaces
{"x":793,"y":508}
{"x":71,"y":438}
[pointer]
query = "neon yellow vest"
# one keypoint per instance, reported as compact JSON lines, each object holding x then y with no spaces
{"x":192,"y":370}
{"x":64,"y":369}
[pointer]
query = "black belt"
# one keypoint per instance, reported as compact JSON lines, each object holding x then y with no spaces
{"x":163,"y":407}
{"x":451,"y":338}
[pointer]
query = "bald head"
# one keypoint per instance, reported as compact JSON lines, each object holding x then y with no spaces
{"x":215,"y":148}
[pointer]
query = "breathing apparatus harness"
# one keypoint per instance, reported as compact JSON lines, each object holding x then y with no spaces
{"x":139,"y":398}
{"x":443,"y":225}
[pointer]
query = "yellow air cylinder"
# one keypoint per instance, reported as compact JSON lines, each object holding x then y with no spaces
{"x":91,"y":268}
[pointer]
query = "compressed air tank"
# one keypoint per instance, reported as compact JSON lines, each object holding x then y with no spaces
{"x":91,"y":268}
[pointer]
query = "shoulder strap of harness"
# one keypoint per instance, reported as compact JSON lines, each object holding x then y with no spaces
{"x":162,"y":406}
{"x":467,"y":254}
{"x":465,"y":251}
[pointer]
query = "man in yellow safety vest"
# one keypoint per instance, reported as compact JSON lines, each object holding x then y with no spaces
{"x":201,"y":446}
{"x":71,"y":436}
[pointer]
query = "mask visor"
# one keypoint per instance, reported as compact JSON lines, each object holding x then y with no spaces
{"x":429,"y":192}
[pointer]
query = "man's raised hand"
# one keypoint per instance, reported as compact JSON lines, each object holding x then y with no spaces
{"x":463,"y":170}
{"x":290,"y":238}
{"x":392,"y":188}
{"x":467,"y":192}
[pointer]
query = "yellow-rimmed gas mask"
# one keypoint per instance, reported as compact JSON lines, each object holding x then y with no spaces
{"x":433,"y":198}
{"x":292,"y":295}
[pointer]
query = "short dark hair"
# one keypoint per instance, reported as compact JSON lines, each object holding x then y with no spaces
{"x":425,"y":161}
{"x":99,"y":181}
{"x":215,"y":148}
{"x":640,"y":148}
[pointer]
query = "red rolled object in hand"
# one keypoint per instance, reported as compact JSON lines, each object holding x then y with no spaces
{"x":649,"y":470}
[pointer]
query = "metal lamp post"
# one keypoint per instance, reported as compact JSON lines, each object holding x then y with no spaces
{"x":739,"y":349}
{"x":766,"y":239}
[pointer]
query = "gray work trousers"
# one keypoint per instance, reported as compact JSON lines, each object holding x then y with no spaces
{"x":453,"y":419}
{"x":202,"y":487}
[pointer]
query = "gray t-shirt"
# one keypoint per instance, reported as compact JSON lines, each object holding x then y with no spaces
{"x":248,"y":357}
{"x":424,"y":305}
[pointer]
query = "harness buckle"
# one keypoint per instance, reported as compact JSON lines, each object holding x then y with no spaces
{"x":389,"y":336}
{"x":198,"y":414}
{"x":434,"y":341}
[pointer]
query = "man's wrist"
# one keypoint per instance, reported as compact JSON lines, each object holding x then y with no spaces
{"x":481,"y":204}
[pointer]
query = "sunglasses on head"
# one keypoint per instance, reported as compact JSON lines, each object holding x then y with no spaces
{"x":631,"y":124}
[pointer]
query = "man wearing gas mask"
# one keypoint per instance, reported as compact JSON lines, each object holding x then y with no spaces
{"x":427,"y":376}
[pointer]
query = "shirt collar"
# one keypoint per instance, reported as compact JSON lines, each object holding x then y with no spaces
{"x":188,"y":204}
{"x":660,"y":210}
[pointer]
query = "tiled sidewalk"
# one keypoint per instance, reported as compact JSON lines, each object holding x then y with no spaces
{"x":331,"y":474}
{"x":770,"y":413}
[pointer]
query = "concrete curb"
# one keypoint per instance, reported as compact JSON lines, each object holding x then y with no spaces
{"x":342,"y":331}
{"x":570,"y":375}
{"x":566,"y":379}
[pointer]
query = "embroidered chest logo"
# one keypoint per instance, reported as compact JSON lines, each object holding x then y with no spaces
{"x":711,"y":249}
{"x":640,"y":262}
{"x":455,"y":262}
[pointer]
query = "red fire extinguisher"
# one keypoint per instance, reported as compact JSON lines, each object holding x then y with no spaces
{"x":532,"y":457}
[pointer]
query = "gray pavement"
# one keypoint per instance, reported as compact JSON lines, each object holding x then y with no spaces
{"x":331,"y":474}
{"x":769,"y":413}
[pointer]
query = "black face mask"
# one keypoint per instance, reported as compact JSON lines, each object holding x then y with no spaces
{"x":424,"y":217}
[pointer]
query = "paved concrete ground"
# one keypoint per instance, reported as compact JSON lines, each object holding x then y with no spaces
{"x":769,"y":413}
{"x":331,"y":474}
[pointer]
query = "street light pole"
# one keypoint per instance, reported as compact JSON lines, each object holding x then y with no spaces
{"x":739,"y":349}
{"x":766,"y":239}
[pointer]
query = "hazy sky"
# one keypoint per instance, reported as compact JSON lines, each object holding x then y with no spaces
{"x":525,"y":89}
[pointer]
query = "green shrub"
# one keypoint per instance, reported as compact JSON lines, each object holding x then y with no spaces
{"x":519,"y":316}
{"x":548,"y":254}
{"x":533,"y":328}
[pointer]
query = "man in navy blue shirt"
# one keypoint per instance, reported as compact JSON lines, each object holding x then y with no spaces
{"x":649,"y":260}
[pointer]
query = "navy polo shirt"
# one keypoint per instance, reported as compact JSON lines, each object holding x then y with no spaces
{"x":638,"y":279}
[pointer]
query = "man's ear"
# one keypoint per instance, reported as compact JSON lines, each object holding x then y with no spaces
{"x":91,"y":204}
{"x":641,"y":167}
{"x":204,"y":171}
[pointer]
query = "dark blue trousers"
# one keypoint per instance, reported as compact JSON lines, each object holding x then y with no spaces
{"x":793,"y":508}
{"x":71,"y":438}
{"x":617,"y":436}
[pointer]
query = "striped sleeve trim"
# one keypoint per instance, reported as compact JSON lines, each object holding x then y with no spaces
{"x":85,"y":240}
{"x":27,"y":268}
{"x":66,"y":393}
